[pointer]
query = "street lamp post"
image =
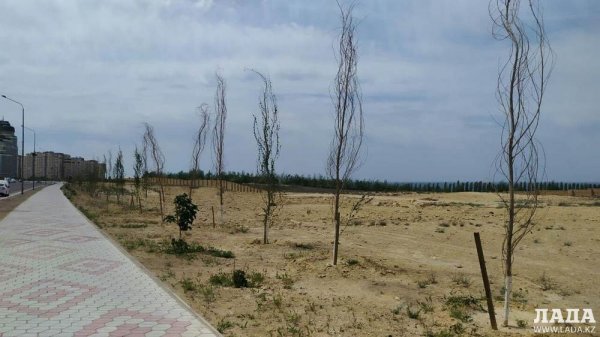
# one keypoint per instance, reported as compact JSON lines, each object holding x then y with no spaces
{"x":34,"y":155}
{"x":22,"y":141}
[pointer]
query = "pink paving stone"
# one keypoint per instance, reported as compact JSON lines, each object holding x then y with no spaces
{"x":43,"y":252}
{"x":15,"y":299}
{"x":175,"y":325}
{"x":14,"y":242}
{"x":9,"y":271}
{"x":90,"y":266}
{"x":47,"y":295}
{"x":44,"y":232}
{"x":88,"y":283}
{"x":77,"y":239}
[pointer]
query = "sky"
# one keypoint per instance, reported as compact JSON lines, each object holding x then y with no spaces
{"x":90,"y":73}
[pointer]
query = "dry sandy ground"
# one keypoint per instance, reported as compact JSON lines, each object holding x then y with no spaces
{"x":404,"y":259}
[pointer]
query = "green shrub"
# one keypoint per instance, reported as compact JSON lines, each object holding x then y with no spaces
{"x":221,"y":279}
{"x":255,"y":279}
{"x":188,"y":284}
{"x":185,"y":213}
{"x":239,"y":279}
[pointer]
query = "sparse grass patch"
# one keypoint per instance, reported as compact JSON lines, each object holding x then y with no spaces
{"x":239,"y":229}
{"x":412,"y":314}
{"x":352,"y":262}
{"x":134,"y":226}
{"x":426,"y":305}
{"x":429,"y":280}
{"x":460,"y":314}
{"x":207,"y":292}
{"x":463,"y":301}
{"x":167,"y":275}
{"x":188,"y":284}
{"x":181,"y":248}
{"x":221,"y":280}
{"x":255,"y":279}
{"x":546,"y":283}
{"x":223,"y":325}
{"x":461,"y":280}
{"x":306,"y":246}
{"x":286,"y":280}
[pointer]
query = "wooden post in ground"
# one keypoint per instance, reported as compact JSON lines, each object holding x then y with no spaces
{"x":486,"y":282}
{"x":213,"y":214}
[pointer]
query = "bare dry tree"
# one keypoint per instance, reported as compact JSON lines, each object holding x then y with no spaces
{"x":349,"y":124}
{"x":158,"y":158}
{"x":219,"y":135}
{"x":522,"y":82}
{"x":266,"y":133}
{"x":144,"y":154}
{"x":119,"y":175}
{"x":110,"y":165}
{"x":199,"y":142}
{"x":138,"y":173}
{"x":105,"y":170}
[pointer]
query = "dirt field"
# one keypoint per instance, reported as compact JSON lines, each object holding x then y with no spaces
{"x":408,"y":262}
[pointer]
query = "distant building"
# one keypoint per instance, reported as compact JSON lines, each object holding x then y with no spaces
{"x":8,"y":150}
{"x":59,"y":166}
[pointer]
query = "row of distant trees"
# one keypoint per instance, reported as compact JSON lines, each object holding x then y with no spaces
{"x":369,"y":185}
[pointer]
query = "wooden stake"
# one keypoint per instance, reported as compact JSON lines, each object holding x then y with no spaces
{"x":486,"y":282}
{"x":213,"y":214}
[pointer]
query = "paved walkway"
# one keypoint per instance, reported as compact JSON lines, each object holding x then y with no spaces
{"x":59,"y":276}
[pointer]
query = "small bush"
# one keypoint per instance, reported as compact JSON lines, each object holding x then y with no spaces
{"x":134,"y":226}
{"x":463,"y":301}
{"x":208,"y":293}
{"x":427,"y":305}
{"x":255,"y":279}
{"x":221,"y":279}
{"x":239,"y":279}
{"x":430,"y":280}
{"x":286,"y":280}
{"x":412,"y":314}
{"x":460,"y":314}
{"x":224,"y":325}
{"x":546,"y":283}
{"x":352,"y":262}
{"x":188,"y":284}
{"x":521,"y":323}
{"x":306,"y":246}
{"x":220,"y":253}
{"x":461,"y":280}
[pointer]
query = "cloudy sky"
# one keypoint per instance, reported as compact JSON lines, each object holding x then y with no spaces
{"x":91,"y":72}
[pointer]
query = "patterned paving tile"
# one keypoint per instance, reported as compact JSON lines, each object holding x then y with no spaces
{"x":90,"y":266}
{"x":43,"y":252}
{"x":9,"y":243}
{"x":66,"y":279}
{"x":46,"y":298}
{"x":123,"y":322}
{"x":43,"y":232}
{"x":77,"y":239}
{"x":9,"y":271}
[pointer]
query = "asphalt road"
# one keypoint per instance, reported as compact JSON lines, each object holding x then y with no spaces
{"x":15,"y":188}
